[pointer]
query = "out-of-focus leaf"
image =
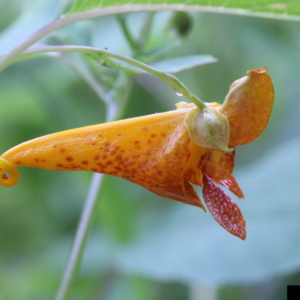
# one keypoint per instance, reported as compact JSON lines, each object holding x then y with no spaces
{"x":189,"y":246}
{"x":117,"y":211}
{"x":269,"y":8}
{"x":172,"y":65}
{"x":177,"y":64}
{"x":12,"y":11}
{"x":35,"y":15}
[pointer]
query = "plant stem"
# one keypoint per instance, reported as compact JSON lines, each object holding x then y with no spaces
{"x":79,"y":243}
{"x":87,"y":76}
{"x":113,"y":111}
{"x":145,"y":31}
{"x":104,"y":11}
{"x":126,"y":32}
{"x":200,"y":292}
{"x":171,"y":80}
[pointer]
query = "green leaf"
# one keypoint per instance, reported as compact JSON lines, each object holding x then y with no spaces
{"x":190,"y":246}
{"x":36,"y":15}
{"x":172,"y":65}
{"x":177,"y":64}
{"x":287,"y":9}
{"x":117,"y":215}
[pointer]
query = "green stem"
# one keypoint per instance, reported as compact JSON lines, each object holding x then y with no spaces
{"x":79,"y":243}
{"x":104,"y":11}
{"x":87,"y":76}
{"x":112,"y":112}
{"x":145,"y":31}
{"x":203,"y":292}
{"x":171,"y":80}
{"x":83,"y":230}
{"x":126,"y":32}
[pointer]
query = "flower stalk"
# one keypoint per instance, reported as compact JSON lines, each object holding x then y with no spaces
{"x":171,"y":80}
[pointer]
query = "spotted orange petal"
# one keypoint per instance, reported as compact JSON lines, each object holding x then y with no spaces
{"x":153,"y":151}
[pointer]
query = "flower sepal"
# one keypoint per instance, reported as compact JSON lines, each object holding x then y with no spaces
{"x":208,"y":128}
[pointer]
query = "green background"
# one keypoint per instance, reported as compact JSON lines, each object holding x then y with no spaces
{"x":143,"y":246}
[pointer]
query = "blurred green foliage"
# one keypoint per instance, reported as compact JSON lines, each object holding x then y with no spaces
{"x":142,"y":246}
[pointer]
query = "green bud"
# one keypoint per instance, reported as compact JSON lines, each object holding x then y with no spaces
{"x":182,"y":23}
{"x":209,"y":129}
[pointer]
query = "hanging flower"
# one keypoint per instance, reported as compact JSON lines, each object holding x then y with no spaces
{"x":166,"y":152}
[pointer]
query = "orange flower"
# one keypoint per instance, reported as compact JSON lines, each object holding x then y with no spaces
{"x":157,"y":152}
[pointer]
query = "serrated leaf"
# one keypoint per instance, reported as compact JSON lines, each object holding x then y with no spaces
{"x":263,"y":8}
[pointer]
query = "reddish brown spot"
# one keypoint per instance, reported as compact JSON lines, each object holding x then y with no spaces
{"x":96,"y":157}
{"x":149,"y":141}
{"x":117,"y":168}
{"x":143,"y":164}
{"x":43,"y":160}
{"x":62,"y":150}
{"x":69,"y":158}
{"x":187,"y":157}
{"x":159,"y":172}
{"x":94,"y":169}
{"x":107,"y":144}
{"x":85,"y":162}
{"x":100,"y":135}
{"x":119,"y":134}
{"x":36,"y":160}
{"x":18,"y":162}
{"x":109,"y":163}
{"x":118,"y":157}
{"x":94,"y":144}
{"x":59,"y":165}
{"x":104,"y":156}
{"x":163,"y":134}
{"x":133,"y":171}
{"x":153,"y":135}
{"x":136,"y":142}
{"x":54,"y":146}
